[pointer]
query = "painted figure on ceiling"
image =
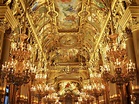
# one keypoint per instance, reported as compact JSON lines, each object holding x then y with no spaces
{"x":68,"y":9}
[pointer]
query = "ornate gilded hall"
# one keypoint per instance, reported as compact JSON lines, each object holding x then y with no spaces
{"x":69,"y":51}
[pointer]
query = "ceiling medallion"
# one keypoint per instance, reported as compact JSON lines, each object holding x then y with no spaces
{"x":68,"y":41}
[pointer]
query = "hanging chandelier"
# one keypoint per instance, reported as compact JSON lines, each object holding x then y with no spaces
{"x":124,"y":69}
{"x":41,"y":90}
{"x":51,"y":98}
{"x":19,"y":70}
{"x":95,"y":87}
{"x":85,"y":97}
{"x":21,"y":50}
{"x":17,"y":73}
{"x":41,"y":74}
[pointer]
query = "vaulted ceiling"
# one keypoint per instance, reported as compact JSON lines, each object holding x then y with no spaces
{"x":65,"y":34}
{"x":67,"y":30}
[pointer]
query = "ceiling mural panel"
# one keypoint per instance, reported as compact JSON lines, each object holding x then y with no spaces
{"x":99,"y":3}
{"x":37,"y":4}
{"x":68,"y":19}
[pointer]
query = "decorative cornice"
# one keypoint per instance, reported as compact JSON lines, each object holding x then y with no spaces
{"x":103,"y":29}
{"x":7,"y":34}
{"x":130,"y":13}
{"x":32,"y":26}
{"x":125,"y":18}
{"x":5,"y":12}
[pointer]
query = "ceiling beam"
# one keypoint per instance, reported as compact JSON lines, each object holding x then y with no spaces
{"x":103,"y":29}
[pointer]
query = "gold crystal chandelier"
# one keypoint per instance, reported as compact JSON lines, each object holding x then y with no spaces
{"x":85,"y":98}
{"x":21,"y":50}
{"x":41,"y":74}
{"x":41,"y":90}
{"x":51,"y":98}
{"x":95,"y":87}
{"x":124,"y":69}
{"x":19,"y":70}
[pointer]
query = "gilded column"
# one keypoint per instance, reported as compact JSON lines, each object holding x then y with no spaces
{"x":2,"y":30}
{"x":131,"y":56}
{"x":130,"y":45}
{"x":135,"y":31}
{"x":5,"y":54}
{"x":6,"y":46}
{"x":136,"y":48}
{"x":6,"y":13}
{"x":131,"y":19}
{"x":1,"y":43}
{"x":107,"y":93}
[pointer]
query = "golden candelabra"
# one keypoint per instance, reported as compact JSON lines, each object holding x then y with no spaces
{"x":21,"y":50}
{"x":119,"y":78}
{"x":18,"y":73}
{"x":96,"y":87}
{"x":22,"y":99}
{"x":41,"y":90}
{"x":124,"y":69}
{"x":19,"y":70}
{"x":85,"y":98}
{"x":96,"y":90}
{"x":41,"y":75}
{"x":51,"y":98}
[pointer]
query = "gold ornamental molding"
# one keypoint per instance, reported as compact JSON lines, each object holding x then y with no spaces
{"x":5,"y":12}
{"x":103,"y":29}
{"x":130,"y":13}
{"x":32,"y":26}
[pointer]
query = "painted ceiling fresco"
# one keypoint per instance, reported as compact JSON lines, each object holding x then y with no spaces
{"x":68,"y":19}
{"x":99,"y":3}
{"x":67,"y":31}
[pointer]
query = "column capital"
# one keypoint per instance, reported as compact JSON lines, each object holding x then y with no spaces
{"x":5,"y":12}
{"x":130,"y":18}
{"x":129,"y":34}
{"x":4,"y":26}
{"x":7,"y":33}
